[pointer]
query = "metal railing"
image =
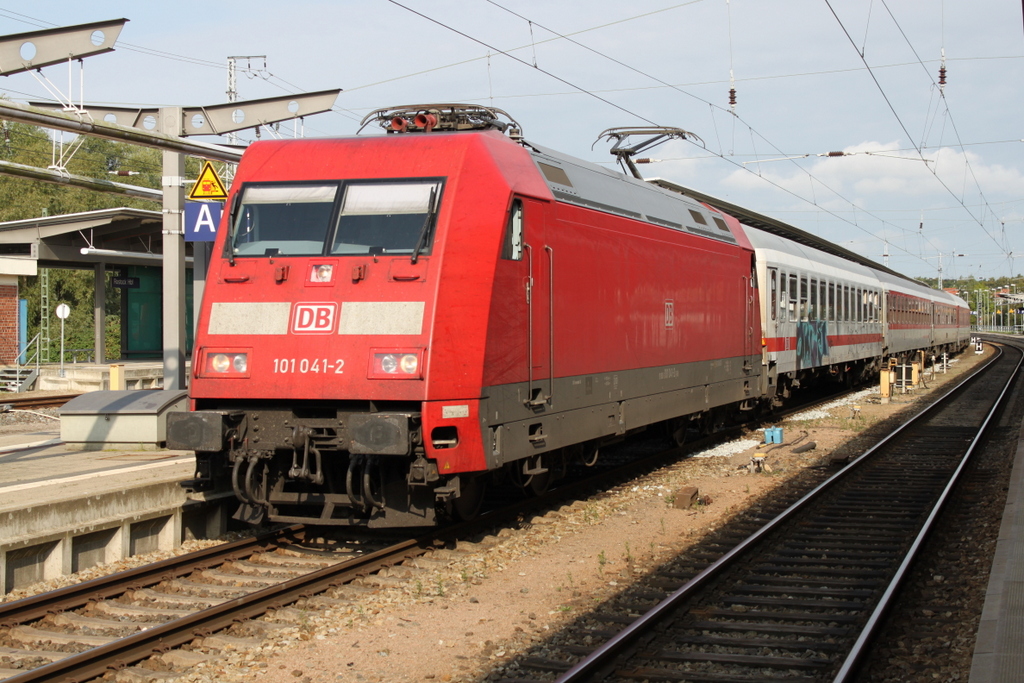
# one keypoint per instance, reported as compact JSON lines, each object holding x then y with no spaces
{"x":24,"y":359}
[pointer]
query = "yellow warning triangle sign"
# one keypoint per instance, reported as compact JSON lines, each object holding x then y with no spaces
{"x":209,"y":185}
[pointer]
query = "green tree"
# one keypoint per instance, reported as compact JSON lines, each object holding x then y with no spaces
{"x":22,"y":198}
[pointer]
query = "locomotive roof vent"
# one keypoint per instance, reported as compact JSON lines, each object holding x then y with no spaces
{"x":655,"y":136}
{"x":426,"y":118}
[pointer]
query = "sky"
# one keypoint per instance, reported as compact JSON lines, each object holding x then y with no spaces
{"x":932,"y":176}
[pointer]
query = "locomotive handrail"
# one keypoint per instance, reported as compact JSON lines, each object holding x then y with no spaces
{"x":551,"y":321}
{"x":529,"y":322}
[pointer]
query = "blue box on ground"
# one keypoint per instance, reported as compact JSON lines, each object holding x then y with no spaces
{"x":773,"y":434}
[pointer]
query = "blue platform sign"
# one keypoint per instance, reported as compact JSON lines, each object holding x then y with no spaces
{"x":201,"y":220}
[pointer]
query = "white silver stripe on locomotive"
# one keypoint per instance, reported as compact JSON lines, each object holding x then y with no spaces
{"x":357,"y":317}
{"x":249,"y":317}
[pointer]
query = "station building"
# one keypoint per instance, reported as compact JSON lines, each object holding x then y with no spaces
{"x":125,"y":243}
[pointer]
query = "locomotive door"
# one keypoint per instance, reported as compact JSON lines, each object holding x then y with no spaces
{"x":539,"y":291}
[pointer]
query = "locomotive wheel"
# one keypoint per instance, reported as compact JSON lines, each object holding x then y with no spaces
{"x":538,"y":483}
{"x":677,"y":430}
{"x":467,"y":506}
{"x":531,"y":484}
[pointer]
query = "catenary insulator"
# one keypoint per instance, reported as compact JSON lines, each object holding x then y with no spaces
{"x":732,"y":97}
{"x":942,"y":75}
{"x":837,"y":154}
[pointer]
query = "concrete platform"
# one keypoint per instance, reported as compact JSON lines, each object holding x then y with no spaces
{"x":64,"y":510}
{"x":97,"y":376}
{"x":999,"y":648}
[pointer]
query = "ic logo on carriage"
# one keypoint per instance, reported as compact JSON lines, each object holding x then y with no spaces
{"x":314,"y":318}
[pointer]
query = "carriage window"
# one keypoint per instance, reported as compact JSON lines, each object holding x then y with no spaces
{"x":512,"y":249}
{"x":859,"y":303}
{"x":283,"y":220}
{"x":812,"y":309}
{"x":803,"y":298}
{"x":792,"y":297}
{"x":832,"y":301}
{"x":387,"y":218}
{"x":846,"y":303}
{"x":774,"y":297}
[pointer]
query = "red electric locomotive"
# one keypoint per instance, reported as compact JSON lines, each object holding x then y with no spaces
{"x":389,"y":319}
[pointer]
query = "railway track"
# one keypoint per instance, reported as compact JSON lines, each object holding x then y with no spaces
{"x":800,"y":598}
{"x":83,"y":631}
{"x":119,"y":620}
{"x":17,"y":402}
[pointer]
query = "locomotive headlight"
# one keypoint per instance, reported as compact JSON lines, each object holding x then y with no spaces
{"x":226,"y":364}
{"x":409,"y":364}
{"x":389,"y":363}
{"x":395,"y":364}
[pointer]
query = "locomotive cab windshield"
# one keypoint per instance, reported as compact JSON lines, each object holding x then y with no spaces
{"x":349,"y":218}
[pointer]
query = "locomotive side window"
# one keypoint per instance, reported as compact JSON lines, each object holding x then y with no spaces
{"x":378,"y":218}
{"x":512,"y":249}
{"x":282,"y":220}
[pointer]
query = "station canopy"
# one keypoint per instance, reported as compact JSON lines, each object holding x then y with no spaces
{"x":116,"y":237}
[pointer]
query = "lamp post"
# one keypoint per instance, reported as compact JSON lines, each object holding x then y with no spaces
{"x":977,"y":309}
{"x":1013,"y":287}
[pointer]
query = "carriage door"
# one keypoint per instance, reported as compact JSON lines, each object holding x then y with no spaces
{"x":749,"y":317}
{"x":538,"y":288}
{"x":770,"y":317}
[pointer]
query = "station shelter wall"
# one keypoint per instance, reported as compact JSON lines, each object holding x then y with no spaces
{"x":142,"y":314}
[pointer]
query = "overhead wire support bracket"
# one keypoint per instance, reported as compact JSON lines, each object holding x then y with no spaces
{"x":219,"y":119}
{"x":34,"y":50}
{"x":656,"y":136}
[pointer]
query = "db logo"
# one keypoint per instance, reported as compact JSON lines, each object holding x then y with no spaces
{"x":314,"y":318}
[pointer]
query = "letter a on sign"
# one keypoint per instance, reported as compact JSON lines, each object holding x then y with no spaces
{"x":209,"y":185}
{"x":201,"y":221}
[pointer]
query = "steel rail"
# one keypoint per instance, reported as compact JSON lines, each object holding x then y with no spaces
{"x":874,"y":623}
{"x":17,"y":402}
{"x":72,"y":597}
{"x":593,"y":663}
{"x":123,"y":651}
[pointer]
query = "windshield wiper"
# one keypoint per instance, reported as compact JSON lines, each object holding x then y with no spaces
{"x":428,"y":225}
{"x":229,"y":243}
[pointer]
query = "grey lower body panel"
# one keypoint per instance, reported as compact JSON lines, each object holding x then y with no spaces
{"x":592,"y":407}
